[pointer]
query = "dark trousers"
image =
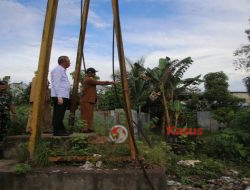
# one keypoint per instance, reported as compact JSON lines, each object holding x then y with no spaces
{"x":4,"y":124}
{"x":58,"y":115}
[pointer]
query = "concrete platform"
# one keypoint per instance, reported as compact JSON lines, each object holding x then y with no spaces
{"x":11,"y":144}
{"x":59,"y":177}
{"x":75,"y":178}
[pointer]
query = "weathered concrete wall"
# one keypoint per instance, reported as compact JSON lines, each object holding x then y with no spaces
{"x":243,"y":95}
{"x":83,"y":180}
{"x":207,"y":122}
{"x":11,"y":146}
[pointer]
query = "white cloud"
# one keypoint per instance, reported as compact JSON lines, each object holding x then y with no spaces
{"x":97,"y":21}
{"x":69,"y":14}
{"x":20,"y":37}
{"x":209,"y":39}
{"x":239,"y":6}
{"x":18,"y":22}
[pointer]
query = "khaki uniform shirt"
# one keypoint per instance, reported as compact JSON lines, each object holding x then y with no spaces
{"x":89,"y":89}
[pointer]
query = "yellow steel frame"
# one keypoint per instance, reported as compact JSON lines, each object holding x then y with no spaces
{"x":43,"y":65}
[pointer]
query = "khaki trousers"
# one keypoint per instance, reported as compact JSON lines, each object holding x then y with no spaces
{"x":87,"y":113}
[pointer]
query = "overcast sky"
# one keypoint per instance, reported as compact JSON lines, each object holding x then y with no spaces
{"x":207,"y":30}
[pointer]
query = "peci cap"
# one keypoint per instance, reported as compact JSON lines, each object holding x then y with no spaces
{"x":3,"y":82}
{"x":91,"y":70}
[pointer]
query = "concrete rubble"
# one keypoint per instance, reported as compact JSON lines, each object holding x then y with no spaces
{"x":222,"y":183}
{"x":188,"y":162}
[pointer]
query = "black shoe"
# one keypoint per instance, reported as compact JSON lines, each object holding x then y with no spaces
{"x":61,"y":134}
{"x":88,"y":131}
{"x":91,"y":131}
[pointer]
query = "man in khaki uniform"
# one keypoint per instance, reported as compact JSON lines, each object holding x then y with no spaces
{"x":89,"y":98}
{"x":46,"y":123}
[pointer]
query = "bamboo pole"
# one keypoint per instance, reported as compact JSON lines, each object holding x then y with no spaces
{"x":133,"y":150}
{"x":42,"y":75}
{"x":79,"y":57}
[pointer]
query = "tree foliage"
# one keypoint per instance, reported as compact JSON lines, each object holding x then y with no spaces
{"x":243,"y":54}
{"x":224,"y":115}
{"x":243,"y":61}
{"x":216,"y":91}
{"x":247,"y":84}
{"x":216,"y":87}
{"x":168,"y":83}
{"x":139,"y":88}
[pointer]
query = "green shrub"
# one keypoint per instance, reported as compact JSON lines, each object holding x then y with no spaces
{"x":224,"y":115}
{"x":79,"y":125}
{"x":156,"y":155}
{"x":188,"y":118}
{"x":79,"y":144}
{"x":121,"y":150}
{"x":19,"y":125}
{"x":206,"y":169}
{"x":42,"y":153}
{"x":189,"y":143}
{"x":242,"y":119}
{"x":23,"y":154}
{"x":102,"y":125}
{"x":22,"y":168}
{"x":229,"y":144}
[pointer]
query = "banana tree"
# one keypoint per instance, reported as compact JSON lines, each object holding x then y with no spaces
{"x":167,"y":78}
{"x":139,"y":88}
{"x":176,"y":107}
{"x":158,"y":77}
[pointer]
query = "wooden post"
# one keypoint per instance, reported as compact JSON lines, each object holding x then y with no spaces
{"x":42,"y":75}
{"x":79,"y":57}
{"x":133,"y":150}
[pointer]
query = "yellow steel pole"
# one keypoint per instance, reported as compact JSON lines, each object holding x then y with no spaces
{"x":133,"y":150}
{"x":43,"y":65}
{"x":79,"y":57}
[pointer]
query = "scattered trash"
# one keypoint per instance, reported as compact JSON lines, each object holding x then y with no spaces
{"x":98,"y":164}
{"x":171,"y":183}
{"x":226,"y":179}
{"x":234,"y":172}
{"x":231,"y":172}
{"x":211,"y":180}
{"x":87,"y":166}
{"x":97,"y":155}
{"x":55,"y":171}
{"x":246,"y":181}
{"x":225,"y":182}
{"x":188,"y":162}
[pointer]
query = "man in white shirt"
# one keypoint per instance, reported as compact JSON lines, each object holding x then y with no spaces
{"x":60,"y":89}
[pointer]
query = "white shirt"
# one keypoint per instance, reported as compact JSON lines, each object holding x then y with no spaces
{"x":60,"y":86}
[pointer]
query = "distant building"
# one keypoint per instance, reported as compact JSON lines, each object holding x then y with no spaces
{"x":243,"y":95}
{"x":17,"y":88}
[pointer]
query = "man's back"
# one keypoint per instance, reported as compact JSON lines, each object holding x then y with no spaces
{"x":60,"y":86}
{"x":89,"y":90}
